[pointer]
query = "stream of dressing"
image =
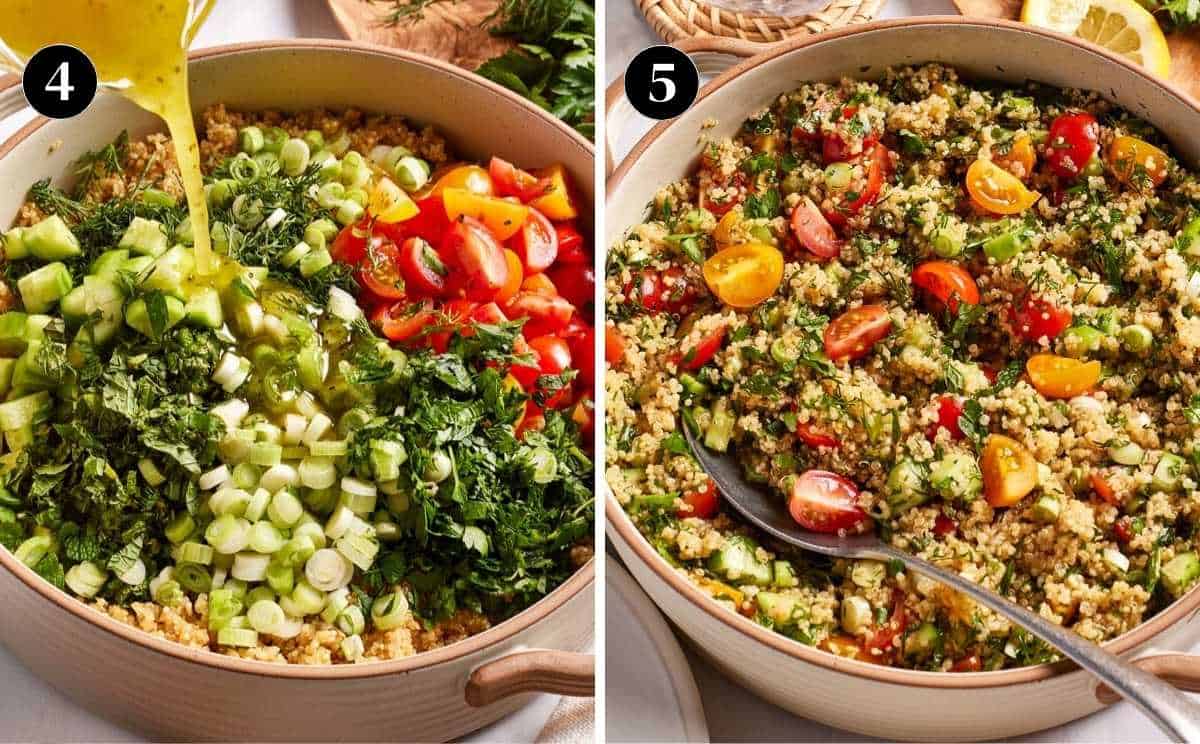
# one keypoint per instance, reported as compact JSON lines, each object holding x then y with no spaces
{"x":139,"y":48}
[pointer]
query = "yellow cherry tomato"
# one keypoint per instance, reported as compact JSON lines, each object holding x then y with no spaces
{"x":504,"y":218}
{"x":556,"y":203}
{"x":508,"y":384}
{"x":389,"y":203}
{"x":1009,"y":471}
{"x":744,"y":275}
{"x":996,"y":190}
{"x":721,"y":590}
{"x":473,"y":178}
{"x":1019,"y":159}
{"x":1062,"y":377}
{"x":1137,"y":163}
{"x":723,"y":233}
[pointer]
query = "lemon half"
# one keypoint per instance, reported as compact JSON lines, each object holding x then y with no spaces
{"x":1121,"y":26}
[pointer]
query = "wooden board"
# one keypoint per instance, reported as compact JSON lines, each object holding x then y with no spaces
{"x":1185,"y":46}
{"x":447,"y":29}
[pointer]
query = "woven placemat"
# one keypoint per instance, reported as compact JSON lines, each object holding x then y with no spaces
{"x":675,"y":20}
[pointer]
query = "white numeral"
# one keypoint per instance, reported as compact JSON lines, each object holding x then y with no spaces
{"x":667,"y":83}
{"x":63,"y":87}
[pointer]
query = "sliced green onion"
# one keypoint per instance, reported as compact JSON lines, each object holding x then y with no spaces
{"x":293,"y":156}
{"x":285,"y":509}
{"x":279,"y":476}
{"x":308,"y":599}
{"x":231,"y":413}
{"x":338,"y":600}
{"x":150,"y":472}
{"x":243,"y":637}
{"x":281,"y":578}
{"x":213,"y":478}
{"x":245,"y":475}
{"x":168,"y":594}
{"x":257,"y":505}
{"x":339,"y":522}
{"x":348,"y":212}
{"x":330,"y":195}
{"x":340,"y":144}
{"x":315,"y":262}
{"x":328,"y":570}
{"x":313,"y":531}
{"x":317,"y":472}
{"x":251,"y":139}
{"x":180,"y":528}
{"x":351,"y":621}
{"x":386,"y":458}
{"x":194,"y":552}
{"x":231,"y":501}
{"x":266,"y":616}
{"x":352,"y":647}
{"x":86,"y":579}
{"x":293,"y":256}
{"x":293,"y":427}
{"x":135,"y":574}
{"x":193,"y":577}
{"x":439,"y":467}
{"x":228,"y":534}
{"x":390,"y":611}
{"x":258,"y":594}
{"x":245,"y":170}
{"x":358,"y":549}
{"x":329,"y":448}
{"x":266,"y":538}
{"x":265,"y":454}
{"x":250,"y":566}
{"x":411,"y":173}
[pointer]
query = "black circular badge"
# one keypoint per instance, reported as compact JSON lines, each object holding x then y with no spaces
{"x":661,"y":82}
{"x":59,"y":81}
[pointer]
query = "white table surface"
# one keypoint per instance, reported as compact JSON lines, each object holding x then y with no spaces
{"x":728,"y":706}
{"x":30,"y":709}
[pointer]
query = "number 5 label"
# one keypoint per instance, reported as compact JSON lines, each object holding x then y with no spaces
{"x":661,"y":82}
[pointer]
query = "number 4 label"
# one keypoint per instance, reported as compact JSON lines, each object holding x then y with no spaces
{"x":63,"y":86}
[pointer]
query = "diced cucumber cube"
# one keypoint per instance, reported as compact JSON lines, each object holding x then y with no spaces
{"x":18,"y":439}
{"x":15,"y":247}
{"x":720,"y":427}
{"x":1189,"y":239}
{"x":737,"y":561}
{"x":783,"y":574}
{"x":137,"y":315}
{"x":204,"y":308}
{"x":41,"y":288}
{"x":906,"y":487}
{"x":782,"y":609}
{"x":6,"y":373}
{"x":52,"y":240}
{"x":97,"y":295}
{"x":1179,"y":573}
{"x":28,"y":373}
{"x":107,"y":264}
{"x":923,"y":641}
{"x":145,"y":237}
{"x":1169,"y":472}
{"x":13,"y":333}
{"x":22,"y":412}
{"x":170,"y":271}
{"x":138,"y":265}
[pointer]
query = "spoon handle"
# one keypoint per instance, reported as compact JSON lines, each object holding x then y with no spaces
{"x":1169,"y":708}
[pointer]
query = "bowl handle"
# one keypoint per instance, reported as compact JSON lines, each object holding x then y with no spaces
{"x":534,"y":670}
{"x":712,"y":55}
{"x":12,"y":99}
{"x":1180,"y":670}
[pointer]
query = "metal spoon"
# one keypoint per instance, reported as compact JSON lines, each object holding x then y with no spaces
{"x":1170,"y":709}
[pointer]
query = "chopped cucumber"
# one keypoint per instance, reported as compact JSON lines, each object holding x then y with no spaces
{"x":138,"y":265}
{"x":51,"y":240}
{"x":923,"y":641}
{"x":23,"y":412}
{"x":1179,"y":573}
{"x":783,"y":574}
{"x":1189,"y":239}
{"x":204,"y":308}
{"x":781,"y":609}
{"x":1004,"y":246}
{"x":652,"y":502}
{"x":28,"y":373}
{"x":14,"y":244}
{"x":720,"y":428}
{"x":14,"y":336}
{"x":956,"y":477}
{"x":1169,"y":472}
{"x":107,"y":264}
{"x":737,"y":561}
{"x":1046,"y":509}
{"x":41,"y":288}
{"x":905,"y":487}
{"x":137,"y":316}
{"x":144,"y":237}
{"x":170,"y":271}
{"x":6,"y":372}
{"x":96,"y":295}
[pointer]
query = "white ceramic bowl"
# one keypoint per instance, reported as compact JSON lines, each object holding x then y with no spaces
{"x":881,"y":701}
{"x":171,"y":692}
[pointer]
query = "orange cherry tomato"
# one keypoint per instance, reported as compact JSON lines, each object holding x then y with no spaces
{"x":504,"y":218}
{"x":1137,"y":163}
{"x":584,"y":416}
{"x":539,"y":283}
{"x":516,"y":274}
{"x":703,"y":352}
{"x":996,"y":190}
{"x":1009,"y":471}
{"x":744,"y":275}
{"x":1019,"y":159}
{"x":1103,"y":489}
{"x":1062,"y":377}
{"x":556,"y":203}
{"x":852,"y":334}
{"x":473,"y":178}
{"x":946,"y":283}
{"x":614,"y":345}
{"x":702,"y":503}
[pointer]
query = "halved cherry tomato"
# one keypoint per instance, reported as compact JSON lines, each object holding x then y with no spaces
{"x":453,"y":315}
{"x":666,"y":291}
{"x":571,"y":246}
{"x":1036,"y":317}
{"x":403,"y":322}
{"x":430,"y":223}
{"x":1073,"y":140}
{"x":479,"y":256}
{"x":822,"y":501}
{"x":1009,"y":471}
{"x":943,"y":525}
{"x":702,"y":503}
{"x":814,"y":436}
{"x":847,"y":647}
{"x":882,"y":642}
{"x":553,"y":354}
{"x":1123,"y":529}
{"x":536,"y":243}
{"x":545,"y":314}
{"x":516,"y":274}
{"x":877,"y":164}
{"x":1137,"y":163}
{"x":996,"y":190}
{"x":350,"y":245}
{"x":534,"y":419}
{"x":583,"y":355}
{"x":489,"y":313}
{"x":1062,"y":377}
{"x":614,"y":345}
{"x":473,"y":178}
{"x":1019,"y":159}
{"x":946,"y":284}
{"x":556,"y":203}
{"x":510,"y":180}
{"x":388,"y":203}
{"x":852,"y":334}
{"x":422,"y":267}
{"x":575,"y":281}
{"x":744,"y":275}
{"x":1103,"y":489}
{"x":539,"y":283}
{"x":950,"y":409}
{"x":379,"y":271}
{"x":502,"y":217}
{"x":967,"y":664}
{"x":703,"y":352}
{"x":584,"y":416}
{"x":813,"y":231}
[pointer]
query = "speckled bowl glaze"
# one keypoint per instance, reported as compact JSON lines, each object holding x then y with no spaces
{"x":168,"y":691}
{"x":869,"y":699}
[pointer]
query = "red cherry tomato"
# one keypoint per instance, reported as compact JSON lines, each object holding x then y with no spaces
{"x":571,"y":246}
{"x":452,"y":317}
{"x":1123,"y":529}
{"x":703,"y":352}
{"x":813,"y":231}
{"x":380,"y":272}
{"x":525,"y":373}
{"x":943,"y":525}
{"x":946,"y":284}
{"x":583,"y":352}
{"x":350,"y":245}
{"x":536,"y":243}
{"x":544,"y":314}
{"x":575,"y":281}
{"x":489,"y":313}
{"x":822,"y":501}
{"x":1103,"y":489}
{"x":534,"y":420}
{"x":430,"y":223}
{"x":877,"y":168}
{"x":510,"y":180}
{"x":614,"y":345}
{"x":883,"y":641}
{"x":852,"y":334}
{"x":702,"y":503}
{"x":950,"y":408}
{"x":970,"y":663}
{"x":1036,"y":317}
{"x":422,"y":267}
{"x":667,"y":291}
{"x":479,"y":256}
{"x":403,"y":322}
{"x":554,"y":355}
{"x":815,"y":436}
{"x":1073,"y":140}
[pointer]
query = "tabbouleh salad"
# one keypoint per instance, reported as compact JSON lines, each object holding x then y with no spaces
{"x":965,"y":315}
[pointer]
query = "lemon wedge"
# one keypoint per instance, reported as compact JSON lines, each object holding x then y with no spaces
{"x":1121,"y":26}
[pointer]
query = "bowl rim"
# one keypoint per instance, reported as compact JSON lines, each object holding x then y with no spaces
{"x":618,"y":520}
{"x":581,"y":580}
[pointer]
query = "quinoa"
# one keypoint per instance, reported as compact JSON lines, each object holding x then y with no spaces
{"x":913,"y":418}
